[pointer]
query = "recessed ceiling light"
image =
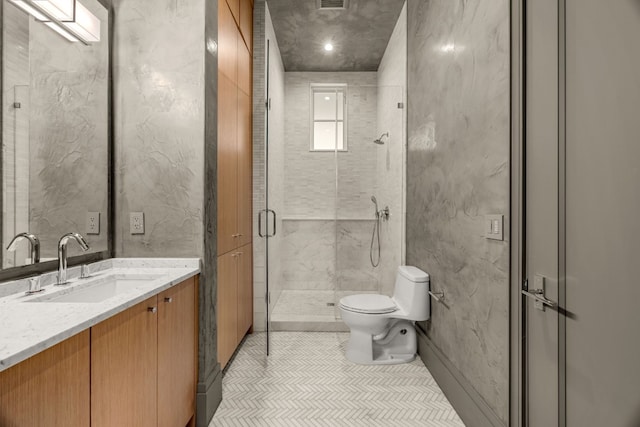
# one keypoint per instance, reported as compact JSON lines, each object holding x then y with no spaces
{"x":328,"y":47}
{"x":326,"y":98}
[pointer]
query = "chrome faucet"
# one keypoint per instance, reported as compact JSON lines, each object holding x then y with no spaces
{"x":35,"y":245}
{"x":62,"y":254}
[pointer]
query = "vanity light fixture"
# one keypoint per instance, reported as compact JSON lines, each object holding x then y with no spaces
{"x":30,"y":10}
{"x":61,"y":10}
{"x":64,"y":33}
{"x":69,"y":18}
{"x":85,"y":26}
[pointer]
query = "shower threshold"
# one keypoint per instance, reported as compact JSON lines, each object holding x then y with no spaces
{"x":307,"y":310}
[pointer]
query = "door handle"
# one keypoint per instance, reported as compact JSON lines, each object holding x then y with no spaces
{"x":538,"y":295}
{"x":274,"y":222}
{"x":260,"y":223}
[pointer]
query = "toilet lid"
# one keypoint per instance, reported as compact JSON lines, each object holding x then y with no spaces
{"x":368,"y":303}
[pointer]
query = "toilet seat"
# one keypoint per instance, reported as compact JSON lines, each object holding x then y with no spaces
{"x":368,"y":304}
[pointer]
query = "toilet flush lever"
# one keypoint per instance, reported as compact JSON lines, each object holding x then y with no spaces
{"x":438,"y":296}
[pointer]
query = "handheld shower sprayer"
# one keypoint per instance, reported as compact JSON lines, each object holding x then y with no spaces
{"x":375,"y":202}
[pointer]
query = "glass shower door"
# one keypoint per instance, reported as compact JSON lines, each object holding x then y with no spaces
{"x":370,"y":179}
{"x":303,"y":140}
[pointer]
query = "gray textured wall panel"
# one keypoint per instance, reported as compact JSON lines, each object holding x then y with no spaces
{"x":458,"y":171}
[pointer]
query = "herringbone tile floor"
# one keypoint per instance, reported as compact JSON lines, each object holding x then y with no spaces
{"x":307,"y":381}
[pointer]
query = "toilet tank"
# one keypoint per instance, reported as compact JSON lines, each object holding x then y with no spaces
{"x":411,"y":292}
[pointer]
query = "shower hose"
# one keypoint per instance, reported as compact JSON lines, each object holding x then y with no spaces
{"x":375,"y":241}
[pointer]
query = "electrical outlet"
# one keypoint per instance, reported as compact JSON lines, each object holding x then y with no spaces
{"x":136,"y":222}
{"x":93,"y":223}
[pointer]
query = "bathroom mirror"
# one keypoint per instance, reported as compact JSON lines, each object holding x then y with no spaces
{"x":55,"y":129}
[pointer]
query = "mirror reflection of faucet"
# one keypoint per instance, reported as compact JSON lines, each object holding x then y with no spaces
{"x":35,"y":245}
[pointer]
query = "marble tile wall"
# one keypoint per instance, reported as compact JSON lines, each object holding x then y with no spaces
{"x":310,"y":177}
{"x":327,"y":255}
{"x":308,"y":254}
{"x":68,"y":135}
{"x":392,"y":81}
{"x":458,"y":171}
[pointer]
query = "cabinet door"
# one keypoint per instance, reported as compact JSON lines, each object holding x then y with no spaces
{"x":177,"y":354}
{"x":227,"y":165}
{"x":246,"y":22}
{"x":124,"y":368}
{"x":234,"y":6}
{"x":244,"y":69}
{"x":227,"y":43}
{"x":227,"y":306}
{"x":50,"y":388}
{"x":245,"y":164}
{"x":245,"y":290}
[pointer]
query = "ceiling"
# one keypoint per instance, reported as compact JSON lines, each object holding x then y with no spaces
{"x":359,"y":34}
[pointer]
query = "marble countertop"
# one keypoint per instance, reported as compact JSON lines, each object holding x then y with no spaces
{"x":27,"y":328}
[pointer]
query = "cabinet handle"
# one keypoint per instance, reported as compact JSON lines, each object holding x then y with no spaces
{"x":152,"y":309}
{"x":239,"y":253}
{"x":168,"y":299}
{"x":236,"y":235}
{"x":234,"y":255}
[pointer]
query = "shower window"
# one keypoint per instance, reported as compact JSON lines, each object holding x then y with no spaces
{"x":328,"y":117}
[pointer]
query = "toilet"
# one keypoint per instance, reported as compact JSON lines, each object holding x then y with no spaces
{"x":382,"y":328}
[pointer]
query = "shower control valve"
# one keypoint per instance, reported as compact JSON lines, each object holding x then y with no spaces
{"x":384,"y":213}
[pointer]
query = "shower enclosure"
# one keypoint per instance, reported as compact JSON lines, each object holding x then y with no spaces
{"x":325,"y":159}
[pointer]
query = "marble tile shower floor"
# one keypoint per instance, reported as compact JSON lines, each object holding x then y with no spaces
{"x":308,"y":310}
{"x":307,"y":381}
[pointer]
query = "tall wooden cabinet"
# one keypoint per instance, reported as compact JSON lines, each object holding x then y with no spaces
{"x":235,"y":178}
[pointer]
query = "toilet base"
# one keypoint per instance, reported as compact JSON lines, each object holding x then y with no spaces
{"x":398,"y":345}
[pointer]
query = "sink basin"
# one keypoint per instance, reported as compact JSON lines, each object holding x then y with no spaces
{"x":99,"y":289}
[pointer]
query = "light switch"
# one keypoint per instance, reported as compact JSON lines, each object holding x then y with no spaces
{"x":494,"y":227}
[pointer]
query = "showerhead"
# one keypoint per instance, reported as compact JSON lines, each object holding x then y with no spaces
{"x":373,"y":199}
{"x":379,"y":141}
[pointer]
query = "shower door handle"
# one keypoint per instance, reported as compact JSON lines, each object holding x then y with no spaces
{"x":267,"y":227}
{"x":274,"y":223}
{"x":260,"y":223}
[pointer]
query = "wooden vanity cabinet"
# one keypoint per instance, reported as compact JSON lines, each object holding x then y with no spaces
{"x":143,"y":362}
{"x":50,"y":388}
{"x":137,"y":368}
{"x":177,"y":356}
{"x":124,"y":367}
